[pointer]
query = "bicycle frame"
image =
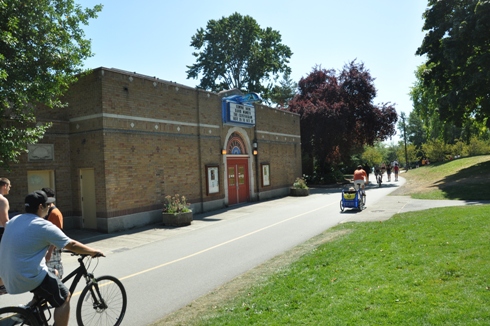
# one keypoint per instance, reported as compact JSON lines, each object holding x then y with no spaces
{"x":41,"y":305}
{"x":96,"y":301}
{"x":77,"y":273}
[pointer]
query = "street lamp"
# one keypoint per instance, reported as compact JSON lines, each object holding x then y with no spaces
{"x":402,"y":116}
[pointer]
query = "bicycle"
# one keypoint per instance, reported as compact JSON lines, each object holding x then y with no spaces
{"x":379,"y":179}
{"x":103,"y":301}
{"x":362,"y":193}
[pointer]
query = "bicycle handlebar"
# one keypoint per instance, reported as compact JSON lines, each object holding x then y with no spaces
{"x":97,"y":255}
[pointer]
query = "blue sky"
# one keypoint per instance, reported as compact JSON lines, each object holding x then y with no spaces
{"x":152,"y":37}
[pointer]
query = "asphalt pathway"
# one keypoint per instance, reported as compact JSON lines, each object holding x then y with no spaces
{"x":380,"y":210}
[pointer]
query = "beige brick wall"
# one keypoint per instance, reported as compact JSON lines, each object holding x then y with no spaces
{"x":147,"y":138}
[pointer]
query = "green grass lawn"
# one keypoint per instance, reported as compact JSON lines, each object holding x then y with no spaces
{"x":421,"y":268}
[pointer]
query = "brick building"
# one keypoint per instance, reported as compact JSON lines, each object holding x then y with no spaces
{"x":125,"y":141}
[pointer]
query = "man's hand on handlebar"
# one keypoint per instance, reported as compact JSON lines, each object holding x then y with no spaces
{"x":98,"y":254}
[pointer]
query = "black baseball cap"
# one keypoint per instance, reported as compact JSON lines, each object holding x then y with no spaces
{"x":34,"y":199}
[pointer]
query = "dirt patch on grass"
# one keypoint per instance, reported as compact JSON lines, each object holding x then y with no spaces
{"x":411,"y":186}
{"x":205,"y":305}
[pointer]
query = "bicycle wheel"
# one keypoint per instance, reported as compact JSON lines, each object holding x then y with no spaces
{"x":102,"y":302}
{"x":17,"y":316}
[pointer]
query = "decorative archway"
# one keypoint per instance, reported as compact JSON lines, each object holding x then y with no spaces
{"x":237,"y":169}
{"x":236,"y":145}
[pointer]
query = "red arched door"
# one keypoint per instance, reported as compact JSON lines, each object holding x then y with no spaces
{"x":237,"y":180}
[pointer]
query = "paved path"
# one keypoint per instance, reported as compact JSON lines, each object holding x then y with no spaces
{"x":378,"y":211}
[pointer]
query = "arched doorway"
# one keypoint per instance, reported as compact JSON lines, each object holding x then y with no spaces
{"x":237,"y":170}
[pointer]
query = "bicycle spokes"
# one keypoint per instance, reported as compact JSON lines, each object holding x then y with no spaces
{"x":102,"y":302}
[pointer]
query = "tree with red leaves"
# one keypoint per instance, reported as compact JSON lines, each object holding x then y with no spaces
{"x":338,"y":116}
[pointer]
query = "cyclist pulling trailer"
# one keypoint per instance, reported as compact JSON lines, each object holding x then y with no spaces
{"x":355,"y":198}
{"x":352,"y":198}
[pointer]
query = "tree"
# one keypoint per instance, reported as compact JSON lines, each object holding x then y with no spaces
{"x":457,"y":46}
{"x":284,"y":92}
{"x":234,"y":52}
{"x":42,"y":48}
{"x":424,"y":96}
{"x":435,"y":150}
{"x":414,"y":129}
{"x":337,"y":114}
{"x":412,"y":155}
{"x":372,"y":155}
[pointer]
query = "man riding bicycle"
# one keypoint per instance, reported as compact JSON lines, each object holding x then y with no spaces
{"x":25,"y":242}
{"x":359,"y":176}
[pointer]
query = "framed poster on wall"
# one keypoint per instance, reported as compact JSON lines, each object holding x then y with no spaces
{"x":266,"y":181}
{"x":212,"y":180}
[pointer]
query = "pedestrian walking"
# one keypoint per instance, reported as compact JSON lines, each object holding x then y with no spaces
{"x":53,"y":255}
{"x":5,"y":186}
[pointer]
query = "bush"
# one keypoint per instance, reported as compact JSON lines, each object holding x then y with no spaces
{"x":176,"y":204}
{"x":300,"y":183}
{"x":332,"y":177}
{"x":478,"y":147}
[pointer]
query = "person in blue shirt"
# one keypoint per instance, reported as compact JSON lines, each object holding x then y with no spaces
{"x":25,"y":241}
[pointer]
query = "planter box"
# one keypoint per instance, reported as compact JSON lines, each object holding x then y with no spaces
{"x":299,"y":192}
{"x":181,"y":219}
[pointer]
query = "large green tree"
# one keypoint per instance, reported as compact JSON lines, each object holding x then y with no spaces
{"x":42,"y":48}
{"x":457,"y":47}
{"x":338,"y":116}
{"x":234,"y":52}
{"x":425,"y":120}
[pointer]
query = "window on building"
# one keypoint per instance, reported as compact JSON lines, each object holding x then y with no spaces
{"x":40,"y":179}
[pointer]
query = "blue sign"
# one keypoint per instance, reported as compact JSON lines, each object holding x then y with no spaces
{"x":239,"y":110}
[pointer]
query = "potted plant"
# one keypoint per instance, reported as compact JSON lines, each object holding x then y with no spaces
{"x":176,"y":211}
{"x":299,"y":188}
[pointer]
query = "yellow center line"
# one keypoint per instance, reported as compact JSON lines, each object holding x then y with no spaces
{"x":221,"y":244}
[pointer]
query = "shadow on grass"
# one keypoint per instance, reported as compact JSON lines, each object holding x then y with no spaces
{"x":467,"y":184}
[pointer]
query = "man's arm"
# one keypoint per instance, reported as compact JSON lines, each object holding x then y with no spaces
{"x":49,"y":253}
{"x":4,"y":211}
{"x":80,"y":248}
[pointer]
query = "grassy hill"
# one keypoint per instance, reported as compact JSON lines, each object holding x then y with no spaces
{"x":464,"y":179}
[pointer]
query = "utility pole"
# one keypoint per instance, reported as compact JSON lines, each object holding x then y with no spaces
{"x":407,"y":165}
